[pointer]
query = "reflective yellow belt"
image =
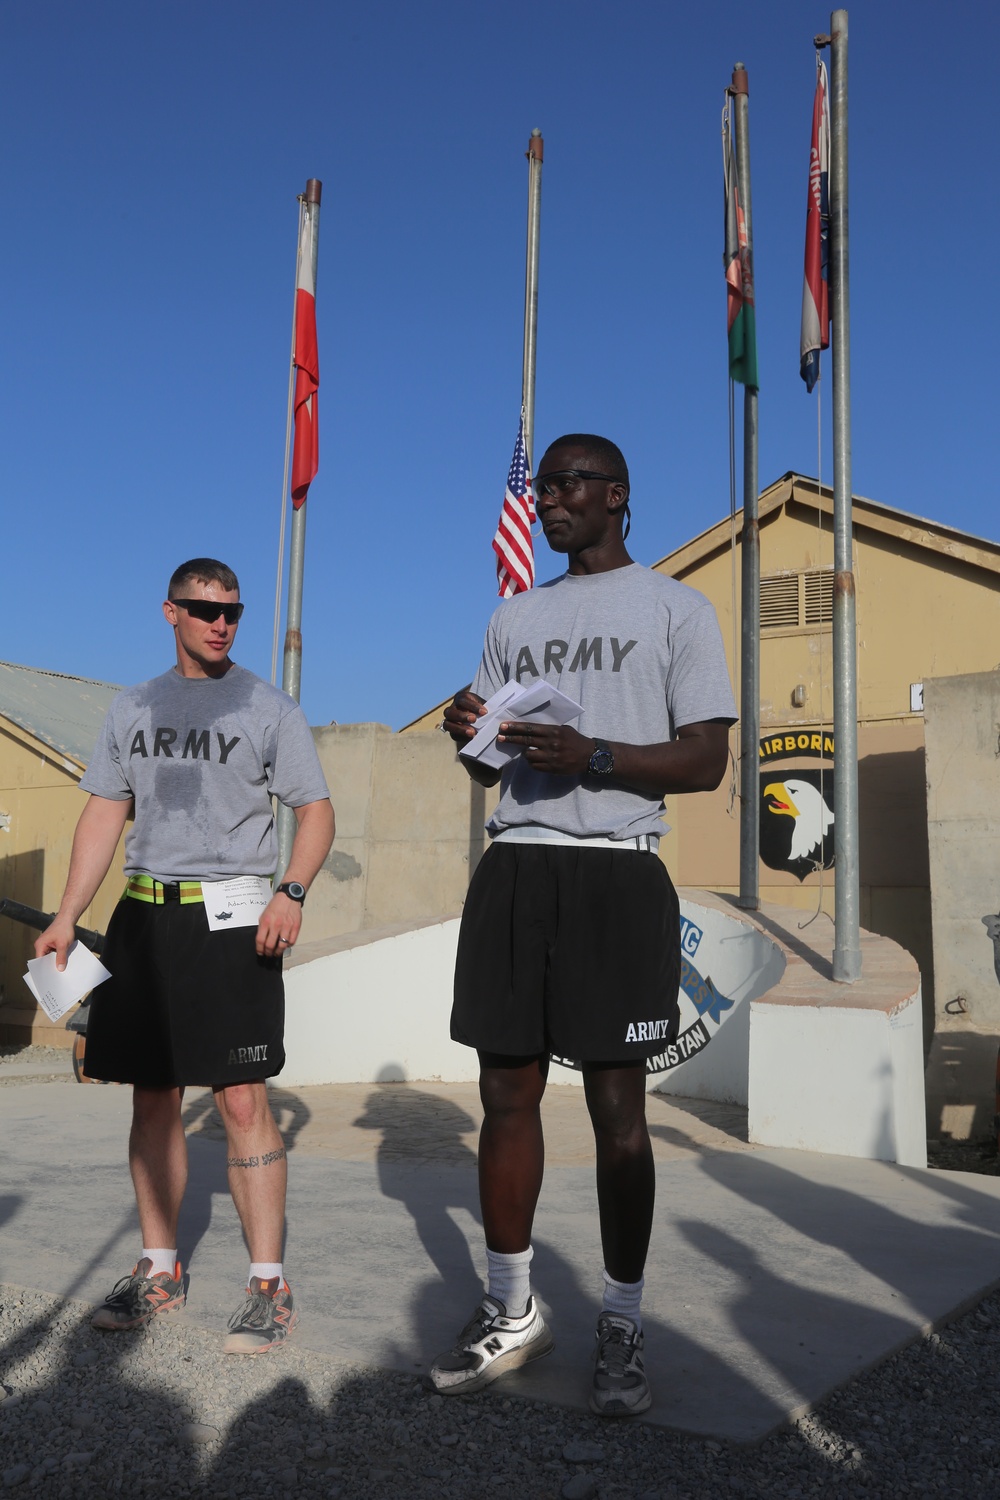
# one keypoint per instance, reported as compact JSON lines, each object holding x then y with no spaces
{"x":155,"y":893}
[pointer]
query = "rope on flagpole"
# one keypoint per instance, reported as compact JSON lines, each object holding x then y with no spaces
{"x":733,"y":759}
{"x":820,"y":863}
{"x":288,"y":448}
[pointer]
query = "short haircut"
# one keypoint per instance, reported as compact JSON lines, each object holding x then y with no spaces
{"x":202,"y":570}
{"x":605,"y":455}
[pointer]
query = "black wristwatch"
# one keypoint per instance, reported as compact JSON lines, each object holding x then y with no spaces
{"x":602,"y":762}
{"x":293,"y":890}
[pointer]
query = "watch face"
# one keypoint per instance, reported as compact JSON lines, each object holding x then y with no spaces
{"x":296,"y":891}
{"x":602,"y":762}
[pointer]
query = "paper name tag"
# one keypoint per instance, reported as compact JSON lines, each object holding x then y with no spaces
{"x":235,"y":903}
{"x":57,"y":993}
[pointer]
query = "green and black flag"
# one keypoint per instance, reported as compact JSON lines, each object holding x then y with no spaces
{"x":739,"y":272}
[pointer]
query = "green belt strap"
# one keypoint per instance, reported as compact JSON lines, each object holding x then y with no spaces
{"x":145,"y":888}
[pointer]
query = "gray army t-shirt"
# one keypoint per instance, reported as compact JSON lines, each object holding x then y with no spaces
{"x":202,"y":757}
{"x":640,"y":652}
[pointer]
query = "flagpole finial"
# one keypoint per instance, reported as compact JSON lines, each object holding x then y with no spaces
{"x":536,"y":146}
{"x":314,"y":190}
{"x":741,"y":80}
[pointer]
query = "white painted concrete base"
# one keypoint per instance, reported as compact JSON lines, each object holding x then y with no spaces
{"x":839,"y":1079}
{"x":374,"y":1011}
{"x":819,"y":1070}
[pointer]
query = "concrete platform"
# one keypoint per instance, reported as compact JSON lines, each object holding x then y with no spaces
{"x":774,"y":1275}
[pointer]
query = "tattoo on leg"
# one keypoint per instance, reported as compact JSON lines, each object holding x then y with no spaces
{"x":256,"y":1161}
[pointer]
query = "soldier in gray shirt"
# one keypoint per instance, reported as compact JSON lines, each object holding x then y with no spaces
{"x":570,"y":937}
{"x":197,"y":753}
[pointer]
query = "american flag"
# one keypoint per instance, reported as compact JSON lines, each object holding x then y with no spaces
{"x":512,"y":543}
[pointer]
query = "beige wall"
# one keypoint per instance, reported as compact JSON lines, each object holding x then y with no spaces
{"x":40,"y":802}
{"x":409,"y":829}
{"x":963,"y":796}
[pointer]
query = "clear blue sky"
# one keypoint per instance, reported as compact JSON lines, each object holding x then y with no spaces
{"x":152,"y":157}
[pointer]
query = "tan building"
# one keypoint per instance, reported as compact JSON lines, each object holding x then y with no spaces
{"x":48,"y":727}
{"x":928,"y":605}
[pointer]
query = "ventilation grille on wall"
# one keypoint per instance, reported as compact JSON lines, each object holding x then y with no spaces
{"x":790,"y":600}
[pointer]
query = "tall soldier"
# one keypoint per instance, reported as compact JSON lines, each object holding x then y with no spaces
{"x":198,"y":753}
{"x":571,"y":934}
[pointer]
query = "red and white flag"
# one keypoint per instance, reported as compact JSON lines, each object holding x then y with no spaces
{"x":815,"y":334}
{"x":305,"y":447}
{"x":512,"y":543}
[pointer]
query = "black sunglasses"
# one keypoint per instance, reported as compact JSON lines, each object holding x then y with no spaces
{"x":208,"y":611}
{"x":559,"y":481}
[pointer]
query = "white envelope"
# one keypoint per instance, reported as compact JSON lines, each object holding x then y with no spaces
{"x":538,"y":703}
{"x":57,"y":993}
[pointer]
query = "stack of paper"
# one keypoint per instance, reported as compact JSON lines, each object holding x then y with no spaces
{"x":539,"y":703}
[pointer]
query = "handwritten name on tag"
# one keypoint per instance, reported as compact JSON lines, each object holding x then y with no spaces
{"x":235,"y":903}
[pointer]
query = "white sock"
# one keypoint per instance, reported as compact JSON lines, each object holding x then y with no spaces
{"x":163,"y":1260}
{"x":509,"y":1279}
{"x":624,"y":1298}
{"x":266,"y":1270}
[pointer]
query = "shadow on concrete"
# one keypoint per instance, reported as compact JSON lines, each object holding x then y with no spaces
{"x":961,"y":1088}
{"x":9,"y":1205}
{"x":729,"y":1119}
{"x":421,"y":1128}
{"x":813,"y":1323}
{"x":914,"y":1258}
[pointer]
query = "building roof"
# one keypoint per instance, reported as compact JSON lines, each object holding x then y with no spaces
{"x":64,"y":713}
{"x":798,"y":489}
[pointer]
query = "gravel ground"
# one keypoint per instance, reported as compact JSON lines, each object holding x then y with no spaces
{"x":41,"y":1059}
{"x":162,"y":1412}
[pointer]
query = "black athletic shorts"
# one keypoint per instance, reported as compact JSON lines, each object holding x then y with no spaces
{"x":566,"y":951}
{"x":183,"y":1004}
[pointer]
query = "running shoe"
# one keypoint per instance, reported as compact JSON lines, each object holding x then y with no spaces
{"x":489,"y":1345}
{"x":620,"y":1387}
{"x":136,"y":1298}
{"x":266,"y":1318}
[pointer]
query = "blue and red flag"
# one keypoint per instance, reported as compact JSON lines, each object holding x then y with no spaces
{"x":816,"y":285}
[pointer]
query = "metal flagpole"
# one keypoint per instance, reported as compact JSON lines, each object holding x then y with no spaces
{"x":847,"y":940}
{"x":750,"y":556}
{"x":534,"y":153}
{"x":291,"y":675}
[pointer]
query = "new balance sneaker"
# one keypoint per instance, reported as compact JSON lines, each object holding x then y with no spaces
{"x":266,"y":1318}
{"x":136,"y":1298}
{"x":620,"y":1387}
{"x":488,"y":1346}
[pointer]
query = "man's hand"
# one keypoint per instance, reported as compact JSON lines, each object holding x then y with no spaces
{"x":278,"y":926}
{"x":57,"y":938}
{"x":694,"y":762}
{"x":461,"y":715}
{"x":282,"y":917}
{"x":558,"y":749}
